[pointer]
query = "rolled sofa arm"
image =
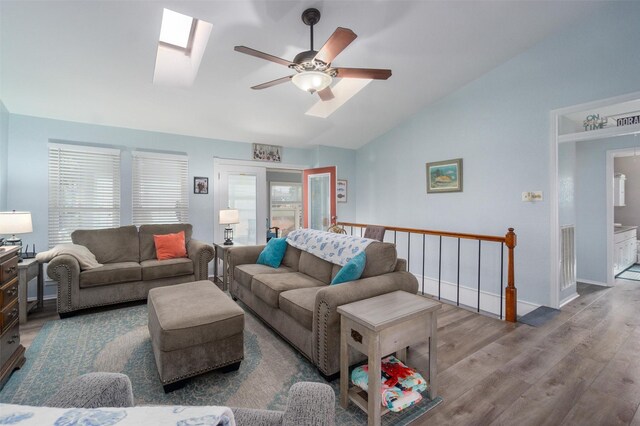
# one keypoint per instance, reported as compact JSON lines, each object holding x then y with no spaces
{"x":326,"y":320}
{"x":310,"y":404}
{"x":242,"y":256}
{"x":94,"y":390}
{"x":65,"y":270}
{"x":201,"y":254}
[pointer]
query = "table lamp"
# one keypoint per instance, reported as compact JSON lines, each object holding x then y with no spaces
{"x":15,"y":223}
{"x":229,"y":217}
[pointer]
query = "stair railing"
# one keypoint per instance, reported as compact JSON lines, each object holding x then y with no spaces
{"x":509,"y":240}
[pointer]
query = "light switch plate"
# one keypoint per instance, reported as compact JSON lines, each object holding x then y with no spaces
{"x":536,"y":196}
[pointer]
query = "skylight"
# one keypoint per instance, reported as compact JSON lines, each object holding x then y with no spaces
{"x":181,"y":46}
{"x":176,"y":28}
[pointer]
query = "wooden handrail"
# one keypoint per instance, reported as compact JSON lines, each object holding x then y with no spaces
{"x":510,"y":240}
{"x":431,"y":232}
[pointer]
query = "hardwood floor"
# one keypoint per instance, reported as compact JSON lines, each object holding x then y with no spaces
{"x":580,"y":368}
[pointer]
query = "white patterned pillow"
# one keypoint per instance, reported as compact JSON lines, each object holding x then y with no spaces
{"x":23,"y":415}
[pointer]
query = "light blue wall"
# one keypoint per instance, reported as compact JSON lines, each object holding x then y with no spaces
{"x":28,"y":179}
{"x":345,"y":162}
{"x":591,"y":205}
{"x":499,"y":124}
{"x":4,"y":146}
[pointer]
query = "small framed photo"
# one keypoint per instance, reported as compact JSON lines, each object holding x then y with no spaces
{"x":341,"y":190}
{"x":200,"y":185}
{"x":271,"y":153}
{"x":444,"y":176}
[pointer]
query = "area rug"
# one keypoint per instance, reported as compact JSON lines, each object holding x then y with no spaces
{"x":118,"y":341}
{"x":539,"y":316}
{"x":631,"y":273}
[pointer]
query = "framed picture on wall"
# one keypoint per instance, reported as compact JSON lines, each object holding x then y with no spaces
{"x":341,"y":190}
{"x":271,"y":153}
{"x":200,"y":185}
{"x":444,"y":176}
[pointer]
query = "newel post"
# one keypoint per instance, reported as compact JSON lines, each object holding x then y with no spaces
{"x":511,"y":293}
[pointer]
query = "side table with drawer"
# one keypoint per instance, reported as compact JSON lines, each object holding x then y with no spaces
{"x":11,"y":351}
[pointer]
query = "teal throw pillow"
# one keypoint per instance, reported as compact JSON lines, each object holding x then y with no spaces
{"x":273,"y":253}
{"x":352,"y":270}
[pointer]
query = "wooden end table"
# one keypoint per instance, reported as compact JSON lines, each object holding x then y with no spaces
{"x":221,"y":252}
{"x":380,"y":326}
{"x":29,"y":269}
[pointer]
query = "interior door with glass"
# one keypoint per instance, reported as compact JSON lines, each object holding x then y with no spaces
{"x":319,"y":194}
{"x":243,"y":188}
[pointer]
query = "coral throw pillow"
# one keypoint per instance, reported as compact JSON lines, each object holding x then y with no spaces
{"x":170,"y":246}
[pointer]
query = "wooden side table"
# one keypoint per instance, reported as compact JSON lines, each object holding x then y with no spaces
{"x":379,"y":326}
{"x":220,"y":252}
{"x":29,"y":269}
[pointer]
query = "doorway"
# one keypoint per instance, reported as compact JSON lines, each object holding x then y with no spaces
{"x":581,"y":125}
{"x":271,"y":196}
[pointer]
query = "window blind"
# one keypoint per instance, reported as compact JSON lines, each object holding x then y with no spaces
{"x":160,"y":188}
{"x":84,"y":190}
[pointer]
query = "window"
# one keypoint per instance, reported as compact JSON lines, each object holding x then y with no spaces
{"x":84,"y":190}
{"x":177,"y":29}
{"x":286,"y":206}
{"x":160,"y":188}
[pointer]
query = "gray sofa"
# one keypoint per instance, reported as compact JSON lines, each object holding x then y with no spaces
{"x":130,"y":267}
{"x":309,"y":404}
{"x":297,"y":301}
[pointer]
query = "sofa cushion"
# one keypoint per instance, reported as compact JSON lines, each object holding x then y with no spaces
{"x":291,"y":257}
{"x":352,"y":270}
{"x":381,"y":259}
{"x":273,"y":252}
{"x":315,"y":267}
{"x":155,"y":269}
{"x":146,"y":233}
{"x":111,"y":273}
{"x":334,"y":271}
{"x":170,"y":246}
{"x":299,"y":304}
{"x":110,"y":245}
{"x":190,"y":314}
{"x":269,"y":286}
{"x":244,"y":273}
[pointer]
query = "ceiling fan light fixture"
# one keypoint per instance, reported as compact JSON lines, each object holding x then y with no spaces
{"x":312,"y":81}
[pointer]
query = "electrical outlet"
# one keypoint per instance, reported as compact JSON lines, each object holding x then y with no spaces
{"x":526,"y":196}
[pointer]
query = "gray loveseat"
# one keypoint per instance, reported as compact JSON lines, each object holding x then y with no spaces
{"x":130,"y":267}
{"x":309,"y":404}
{"x":297,"y":301}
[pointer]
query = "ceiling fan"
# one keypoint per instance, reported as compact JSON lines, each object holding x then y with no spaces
{"x":314,"y":72}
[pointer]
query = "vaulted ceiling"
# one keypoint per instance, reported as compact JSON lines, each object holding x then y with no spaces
{"x":92,"y":61}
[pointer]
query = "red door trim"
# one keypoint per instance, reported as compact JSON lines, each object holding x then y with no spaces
{"x":305,"y":190}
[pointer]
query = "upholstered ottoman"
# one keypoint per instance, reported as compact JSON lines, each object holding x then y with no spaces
{"x":195,"y":328}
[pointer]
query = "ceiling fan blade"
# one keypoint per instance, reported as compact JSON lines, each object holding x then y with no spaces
{"x":262,"y":55}
{"x":338,"y":41}
{"x":272,"y":83}
{"x":374,"y":74}
{"x":326,"y":94}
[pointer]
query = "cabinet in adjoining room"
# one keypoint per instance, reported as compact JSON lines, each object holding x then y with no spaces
{"x":625,"y":247}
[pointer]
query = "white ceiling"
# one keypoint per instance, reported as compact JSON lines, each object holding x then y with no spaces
{"x":92,"y":62}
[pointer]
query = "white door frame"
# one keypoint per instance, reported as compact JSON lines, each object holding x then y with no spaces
{"x":555,"y":138}
{"x":218,"y":163}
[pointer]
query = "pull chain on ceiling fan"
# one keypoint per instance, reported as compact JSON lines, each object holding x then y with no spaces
{"x":314,"y":72}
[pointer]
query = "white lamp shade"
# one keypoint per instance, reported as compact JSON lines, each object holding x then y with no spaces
{"x":15,"y":222}
{"x":312,"y":81}
{"x":229,"y":216}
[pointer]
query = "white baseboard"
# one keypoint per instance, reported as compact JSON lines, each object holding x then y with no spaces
{"x":489,"y":302}
{"x":600,"y":283}
{"x":571,"y":298}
